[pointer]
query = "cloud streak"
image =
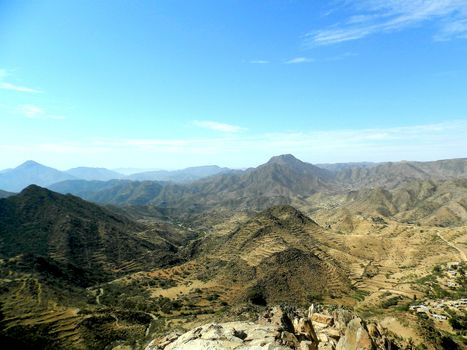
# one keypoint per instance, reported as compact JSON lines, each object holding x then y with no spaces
{"x":418,"y":142}
{"x":35,"y":112}
{"x":216,"y":126}
{"x":384,"y":16}
{"x":4,"y":73}
{"x":259,"y":62}
{"x":298,"y":60}
{"x":17,"y":88}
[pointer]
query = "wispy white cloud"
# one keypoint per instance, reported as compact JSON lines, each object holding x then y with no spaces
{"x":9,"y":86}
{"x":208,"y":124}
{"x":4,"y":85}
{"x":259,"y":62}
{"x":35,"y":112}
{"x":383,"y":16}
{"x":298,"y":60}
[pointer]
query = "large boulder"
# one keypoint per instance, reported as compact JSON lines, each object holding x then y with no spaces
{"x":356,"y":337}
{"x":226,"y":336}
{"x":341,"y":319}
{"x":279,"y":328}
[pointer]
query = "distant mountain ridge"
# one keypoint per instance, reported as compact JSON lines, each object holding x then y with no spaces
{"x":393,"y":174}
{"x":269,"y":184}
{"x":282,"y":180}
{"x":31,"y":172}
{"x":87,"y":173}
{"x":181,"y":176}
{"x":4,"y":194}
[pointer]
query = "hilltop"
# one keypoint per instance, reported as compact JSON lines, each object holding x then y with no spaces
{"x":28,"y":173}
{"x":72,"y":232}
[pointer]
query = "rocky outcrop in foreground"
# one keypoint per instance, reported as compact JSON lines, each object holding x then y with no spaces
{"x":283,"y":328}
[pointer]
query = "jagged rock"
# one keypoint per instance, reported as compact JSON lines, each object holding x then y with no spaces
{"x":282,"y":328}
{"x":290,"y":340}
{"x":311,"y":311}
{"x":341,"y":319}
{"x":326,"y":346}
{"x":280,"y":317}
{"x":373,"y":330}
{"x":356,"y":337}
{"x":161,"y":343}
{"x":226,"y":336}
{"x":323,"y":338}
{"x":323,"y":319}
{"x":307,"y":345}
{"x":326,"y":342}
{"x":304,"y":327}
{"x":333,"y":333}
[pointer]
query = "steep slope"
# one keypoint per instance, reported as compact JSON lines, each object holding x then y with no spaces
{"x":54,"y":249}
{"x":100,"y":174}
{"x":124,"y":192}
{"x":393,"y":174}
{"x":281,"y":180}
{"x":425,"y":202}
{"x":287,"y":174}
{"x":29,"y":173}
{"x":72,"y":232}
{"x":84,"y":188}
{"x":276,"y":182}
{"x":273,"y":258}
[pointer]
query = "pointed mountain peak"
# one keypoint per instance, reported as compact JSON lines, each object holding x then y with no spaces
{"x":288,"y":214}
{"x":287,"y":159}
{"x":29,"y":164}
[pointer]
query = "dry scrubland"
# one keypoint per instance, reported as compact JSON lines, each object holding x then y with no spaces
{"x":391,"y":250}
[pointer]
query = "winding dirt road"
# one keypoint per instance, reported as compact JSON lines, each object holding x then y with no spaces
{"x":452,"y":245}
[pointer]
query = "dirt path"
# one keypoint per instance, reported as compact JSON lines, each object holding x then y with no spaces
{"x":452,"y":245}
{"x":98,"y":296}
{"x":399,"y":292}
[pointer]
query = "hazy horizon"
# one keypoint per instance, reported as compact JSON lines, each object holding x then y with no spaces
{"x":133,"y":170}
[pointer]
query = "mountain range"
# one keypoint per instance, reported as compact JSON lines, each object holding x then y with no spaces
{"x":398,"y":190}
{"x":92,"y":264}
{"x":31,"y":172}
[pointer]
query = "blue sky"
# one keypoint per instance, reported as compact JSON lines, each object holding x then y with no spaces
{"x":170,"y":84}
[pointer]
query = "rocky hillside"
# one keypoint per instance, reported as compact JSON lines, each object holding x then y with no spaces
{"x":424,"y":202}
{"x":276,"y":182}
{"x":258,"y":256}
{"x":59,"y":256}
{"x":70,"y":231}
{"x":284,"y":328}
{"x":393,"y":174}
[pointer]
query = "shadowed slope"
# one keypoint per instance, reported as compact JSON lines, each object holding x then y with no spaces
{"x":276,"y":257}
{"x":69,"y":230}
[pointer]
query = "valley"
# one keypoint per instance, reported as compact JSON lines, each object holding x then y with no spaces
{"x":133,"y":261}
